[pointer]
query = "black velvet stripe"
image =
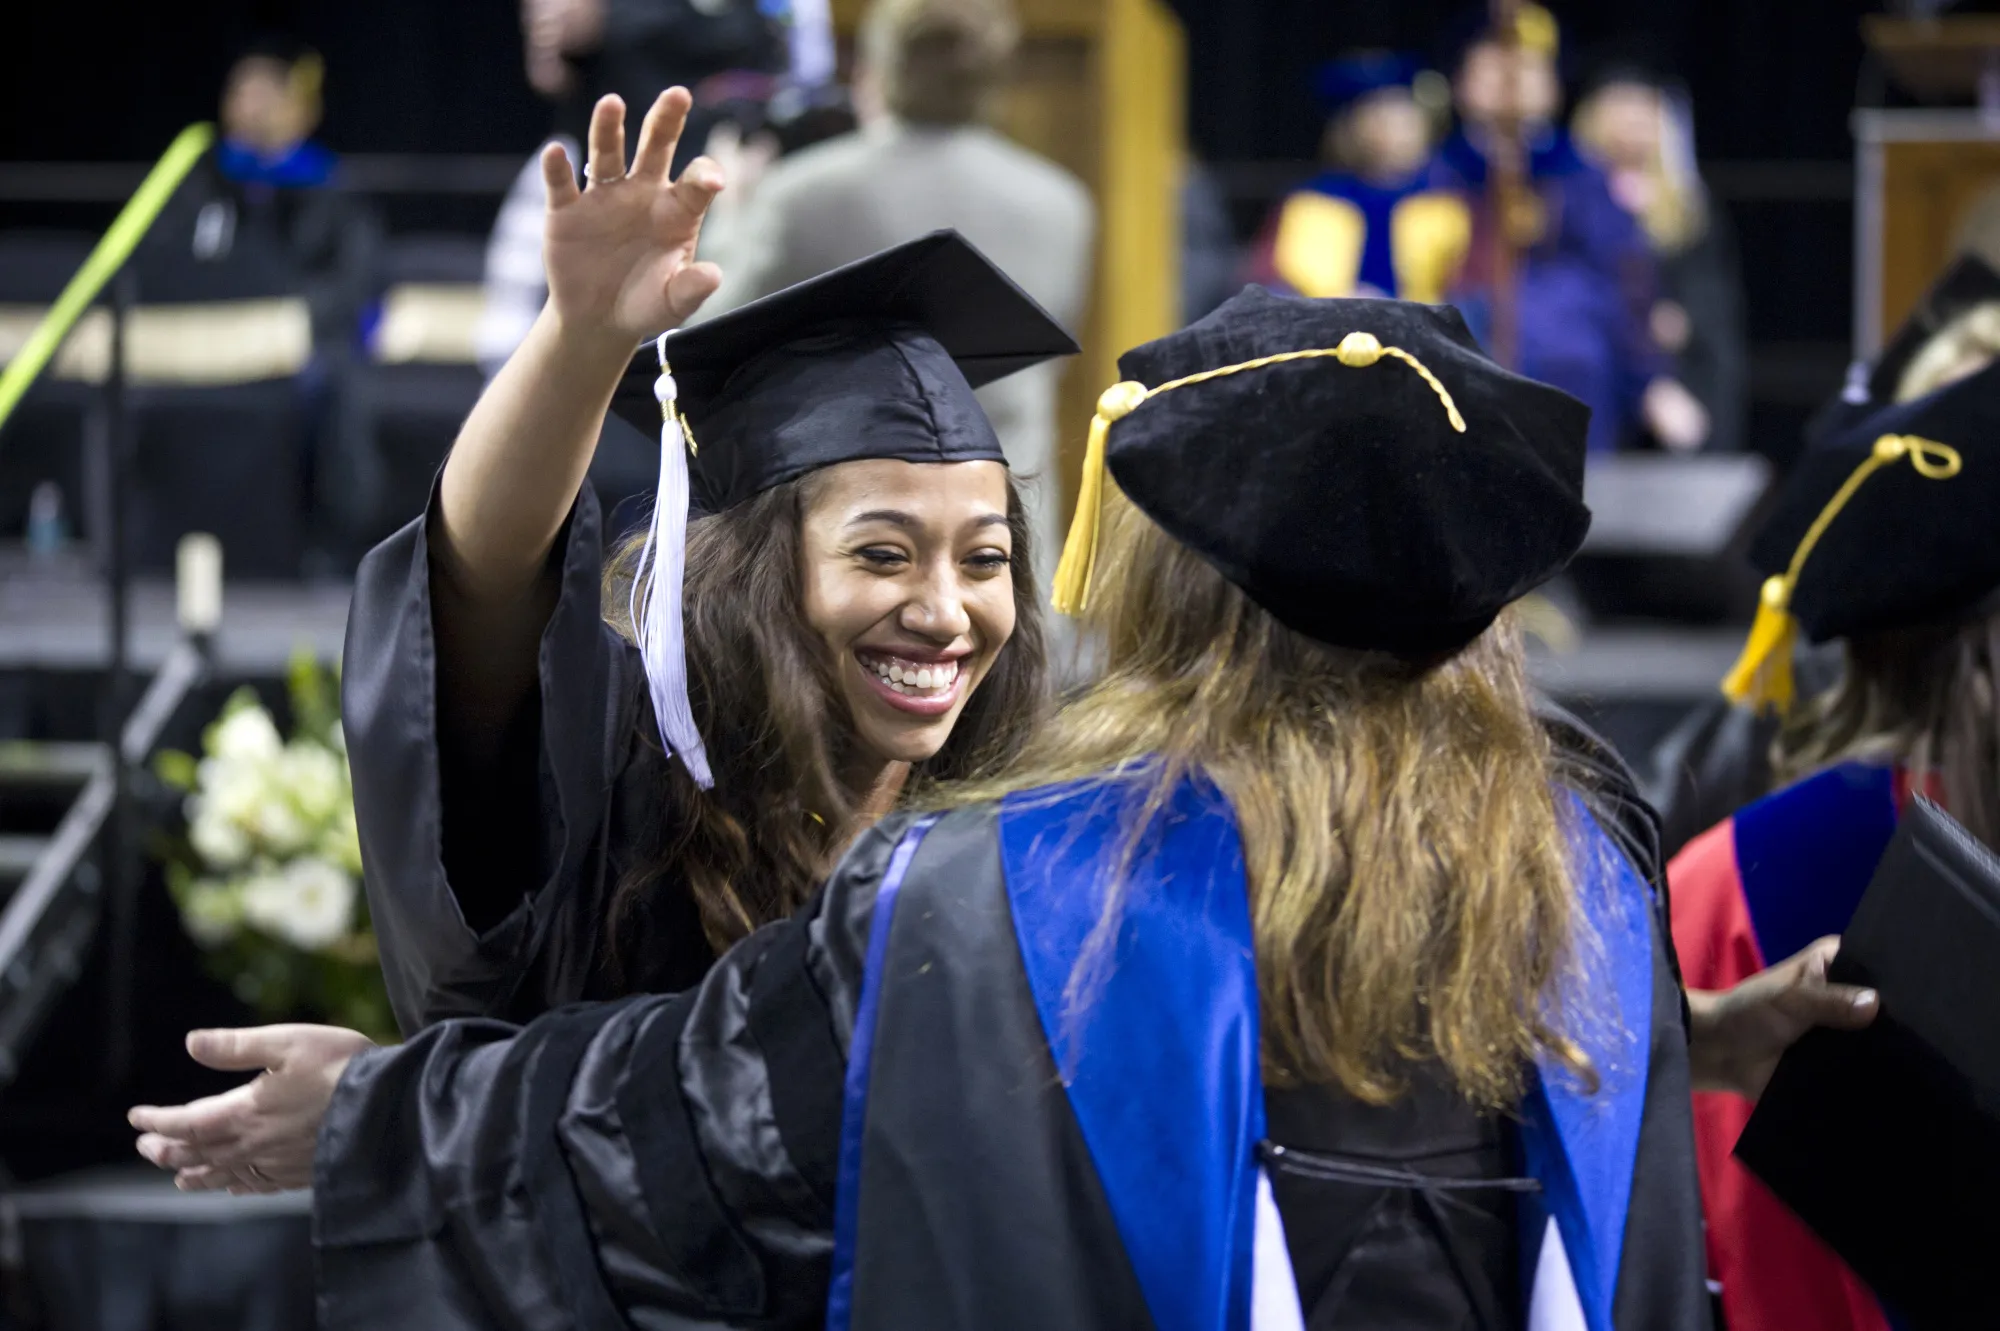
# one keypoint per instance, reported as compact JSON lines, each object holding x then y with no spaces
{"x":793,"y":1029}
{"x":558,"y":1209}
{"x":716,"y":1262}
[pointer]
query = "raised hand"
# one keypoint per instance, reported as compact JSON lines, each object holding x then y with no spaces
{"x":620,"y":252}
{"x":259,"y":1137}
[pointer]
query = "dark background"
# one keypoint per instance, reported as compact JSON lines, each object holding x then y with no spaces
{"x":1772,"y":84}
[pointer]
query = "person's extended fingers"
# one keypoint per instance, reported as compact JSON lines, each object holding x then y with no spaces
{"x":558,"y":177}
{"x":211,"y":1123}
{"x":689,"y":287}
{"x":246,"y":1048}
{"x":1822,"y":1002}
{"x":606,"y":161}
{"x":660,"y":134}
{"x":173,"y":1152}
{"x":205,"y":1178}
{"x":698,"y":185}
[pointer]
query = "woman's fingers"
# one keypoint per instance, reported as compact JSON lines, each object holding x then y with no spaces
{"x":606,"y":161}
{"x":1816,"y":1000}
{"x":699,"y":185}
{"x":558,"y":177}
{"x":246,"y":1048}
{"x":689,"y":286}
{"x":209,"y":1123}
{"x":660,"y":135}
{"x":172,"y":1153}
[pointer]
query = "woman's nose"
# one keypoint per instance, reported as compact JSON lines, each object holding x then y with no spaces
{"x":937,"y":610}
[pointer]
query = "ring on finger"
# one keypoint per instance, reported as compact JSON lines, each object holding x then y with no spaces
{"x":596,"y":179}
{"x":256,"y":1173}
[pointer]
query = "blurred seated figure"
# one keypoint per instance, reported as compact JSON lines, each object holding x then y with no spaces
{"x":1636,"y":124}
{"x":1372,"y":223}
{"x":261,"y":220}
{"x":1583,"y":281}
{"x":927,"y":74}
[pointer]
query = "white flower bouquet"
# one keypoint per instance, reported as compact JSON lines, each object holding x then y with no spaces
{"x":268,"y":877}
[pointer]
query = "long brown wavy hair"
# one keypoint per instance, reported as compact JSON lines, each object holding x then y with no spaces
{"x":1923,"y":697}
{"x":1411,"y":892}
{"x":756,"y":845}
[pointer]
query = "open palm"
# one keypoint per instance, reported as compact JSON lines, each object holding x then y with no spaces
{"x":620,"y":253}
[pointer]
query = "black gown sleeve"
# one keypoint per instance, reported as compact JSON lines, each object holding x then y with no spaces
{"x":487,"y":884}
{"x":656,"y":1162}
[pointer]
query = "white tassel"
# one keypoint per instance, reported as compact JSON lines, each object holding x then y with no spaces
{"x":656,"y":616}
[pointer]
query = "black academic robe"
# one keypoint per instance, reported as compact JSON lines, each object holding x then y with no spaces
{"x":488,"y":884}
{"x":689,"y":1160}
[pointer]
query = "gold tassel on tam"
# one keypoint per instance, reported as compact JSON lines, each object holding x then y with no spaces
{"x":1071,"y":593}
{"x":1762,"y":676}
{"x":1079,"y":556}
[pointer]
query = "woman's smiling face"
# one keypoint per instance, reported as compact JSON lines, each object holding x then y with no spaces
{"x":906,"y":577}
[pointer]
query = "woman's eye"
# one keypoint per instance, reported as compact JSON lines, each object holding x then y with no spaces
{"x":990,"y":561}
{"x":883,"y":556}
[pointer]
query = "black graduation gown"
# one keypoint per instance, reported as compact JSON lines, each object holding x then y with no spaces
{"x":675,"y":1161}
{"x":488,"y":886}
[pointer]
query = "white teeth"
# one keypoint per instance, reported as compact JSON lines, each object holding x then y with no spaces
{"x":913,"y":679}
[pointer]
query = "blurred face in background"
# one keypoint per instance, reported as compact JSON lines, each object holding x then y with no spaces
{"x":1624,"y":122}
{"x":1496,"y":84}
{"x":1383,"y":135}
{"x":261,"y":107}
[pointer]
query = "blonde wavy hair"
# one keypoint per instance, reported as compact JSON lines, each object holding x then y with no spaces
{"x":1410,"y":885}
{"x":1965,"y":345}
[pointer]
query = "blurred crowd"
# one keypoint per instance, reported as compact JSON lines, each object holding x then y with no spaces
{"x":1617,"y":280}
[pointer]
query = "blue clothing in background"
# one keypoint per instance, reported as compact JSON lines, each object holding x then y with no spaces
{"x":1584,"y":288}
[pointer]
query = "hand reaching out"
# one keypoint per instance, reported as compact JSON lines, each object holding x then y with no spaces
{"x":1738,"y":1034}
{"x":620,"y":251}
{"x":259,"y":1137}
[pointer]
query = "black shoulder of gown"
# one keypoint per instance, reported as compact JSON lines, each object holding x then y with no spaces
{"x":488,"y":884}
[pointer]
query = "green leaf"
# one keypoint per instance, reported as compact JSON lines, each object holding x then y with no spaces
{"x":175,"y":768}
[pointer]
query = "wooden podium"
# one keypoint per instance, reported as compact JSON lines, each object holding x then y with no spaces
{"x":1926,"y":182}
{"x":1098,"y":87}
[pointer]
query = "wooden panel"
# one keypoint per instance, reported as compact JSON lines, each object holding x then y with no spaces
{"x":1935,"y":58}
{"x":1929,"y":191}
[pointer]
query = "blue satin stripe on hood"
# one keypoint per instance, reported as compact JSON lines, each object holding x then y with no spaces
{"x":1807,"y":853}
{"x":1583,"y":1146}
{"x":1161,"y":1063}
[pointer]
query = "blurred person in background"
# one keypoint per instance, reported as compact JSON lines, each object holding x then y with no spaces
{"x":927,"y":74}
{"x":1584,"y":278}
{"x":1372,"y":223}
{"x":1637,"y":125}
{"x":1718,"y":758}
{"x":1883,"y":544}
{"x":265,"y":216}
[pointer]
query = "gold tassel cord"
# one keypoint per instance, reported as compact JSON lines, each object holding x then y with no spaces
{"x":1762,"y":676}
{"x":1071,"y":593}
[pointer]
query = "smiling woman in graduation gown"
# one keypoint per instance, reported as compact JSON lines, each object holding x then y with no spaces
{"x":1063,"y":1055}
{"x":516,"y":784}
{"x":1884,"y":541}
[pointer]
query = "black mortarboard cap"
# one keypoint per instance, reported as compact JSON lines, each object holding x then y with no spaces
{"x":1535,"y":28}
{"x":1871,"y":386}
{"x":1889,"y":524}
{"x":1391,"y":489}
{"x":876,"y":359}
{"x":1886,"y":1140}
